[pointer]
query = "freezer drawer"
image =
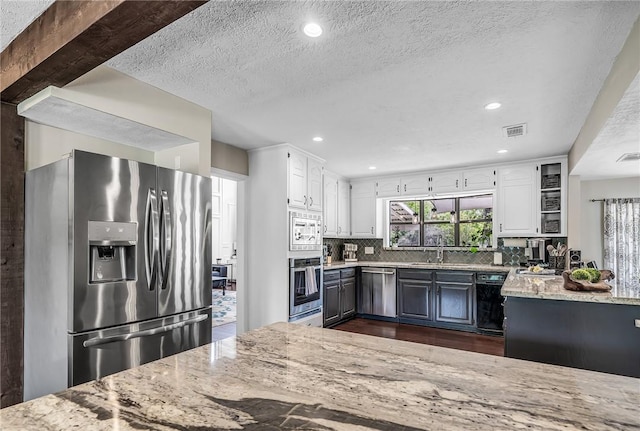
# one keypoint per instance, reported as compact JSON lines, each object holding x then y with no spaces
{"x":97,"y":354}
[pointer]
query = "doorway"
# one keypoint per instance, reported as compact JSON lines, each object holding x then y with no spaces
{"x":224,"y":247}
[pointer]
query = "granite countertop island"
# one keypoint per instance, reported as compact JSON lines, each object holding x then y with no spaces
{"x":552,"y":287}
{"x":286,"y":376}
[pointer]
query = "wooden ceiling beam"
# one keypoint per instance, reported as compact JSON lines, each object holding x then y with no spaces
{"x":71,"y":38}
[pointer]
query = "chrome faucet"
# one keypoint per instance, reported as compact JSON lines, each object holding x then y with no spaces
{"x":424,"y":250}
{"x":440,"y":252}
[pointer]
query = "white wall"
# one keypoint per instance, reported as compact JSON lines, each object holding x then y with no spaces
{"x":46,"y":144}
{"x":115,"y":93}
{"x":229,"y":158}
{"x":229,"y":217}
{"x":266,"y":297}
{"x":591,"y":237}
{"x":216,"y":217}
{"x":224,"y":217}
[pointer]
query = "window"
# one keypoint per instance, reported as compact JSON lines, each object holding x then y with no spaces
{"x":456,"y":221}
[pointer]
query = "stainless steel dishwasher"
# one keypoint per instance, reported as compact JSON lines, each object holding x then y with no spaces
{"x":378,"y":292}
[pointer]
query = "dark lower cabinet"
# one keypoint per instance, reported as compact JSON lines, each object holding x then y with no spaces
{"x":414,"y":294}
{"x":454,"y":303}
{"x":455,"y":297}
{"x":331,"y":302}
{"x":588,"y":335}
{"x":348,"y":299}
{"x":339,"y":301}
{"x":443,"y":299}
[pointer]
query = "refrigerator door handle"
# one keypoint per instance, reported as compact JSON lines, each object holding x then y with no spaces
{"x":151,"y":239}
{"x":165,"y":233}
{"x":98,"y":341}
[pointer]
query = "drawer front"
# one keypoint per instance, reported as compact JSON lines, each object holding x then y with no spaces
{"x":331,"y":275}
{"x":455,"y":276}
{"x":348,"y":273}
{"x":415,"y":274}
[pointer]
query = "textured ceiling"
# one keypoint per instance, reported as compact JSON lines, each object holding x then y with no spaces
{"x":620,"y":135}
{"x":16,"y":15}
{"x":399,"y":85}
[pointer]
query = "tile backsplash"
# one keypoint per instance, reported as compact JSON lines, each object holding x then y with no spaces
{"x":511,"y":256}
{"x":380,"y":254}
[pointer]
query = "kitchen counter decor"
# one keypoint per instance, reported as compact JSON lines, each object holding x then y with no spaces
{"x":592,"y":280}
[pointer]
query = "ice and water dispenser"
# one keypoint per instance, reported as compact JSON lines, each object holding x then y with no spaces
{"x":112,"y":251}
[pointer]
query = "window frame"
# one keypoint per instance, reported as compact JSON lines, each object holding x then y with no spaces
{"x":458,"y":222}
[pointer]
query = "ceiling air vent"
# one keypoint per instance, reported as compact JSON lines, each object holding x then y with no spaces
{"x":515,"y":130}
{"x":629,"y":157}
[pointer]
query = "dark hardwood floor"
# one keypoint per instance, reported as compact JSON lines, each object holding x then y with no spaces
{"x":421,"y":334}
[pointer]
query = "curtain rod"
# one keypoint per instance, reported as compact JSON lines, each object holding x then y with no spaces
{"x":596,"y":200}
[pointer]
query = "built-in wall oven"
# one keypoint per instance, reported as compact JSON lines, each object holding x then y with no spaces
{"x":305,"y":287}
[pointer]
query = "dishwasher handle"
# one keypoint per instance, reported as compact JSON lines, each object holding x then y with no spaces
{"x":378,"y":271}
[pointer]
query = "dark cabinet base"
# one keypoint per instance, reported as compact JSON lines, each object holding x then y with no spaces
{"x":587,"y":335}
{"x":339,"y":301}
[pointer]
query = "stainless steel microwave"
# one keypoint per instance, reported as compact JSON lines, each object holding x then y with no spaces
{"x":305,"y":231}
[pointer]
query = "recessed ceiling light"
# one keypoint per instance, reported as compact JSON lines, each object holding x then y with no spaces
{"x":372,"y":167}
{"x":317,"y":139}
{"x":312,"y":29}
{"x":502,"y":151}
{"x":492,"y":105}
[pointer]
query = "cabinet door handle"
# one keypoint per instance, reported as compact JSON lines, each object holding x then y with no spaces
{"x":372,"y":230}
{"x":310,"y":201}
{"x":500,"y":227}
{"x":465,"y":182}
{"x":456,"y":184}
{"x":305,"y":199}
{"x":398,"y":188}
{"x":325,"y":228}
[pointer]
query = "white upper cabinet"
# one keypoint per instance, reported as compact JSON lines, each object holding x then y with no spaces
{"x":387,"y":187}
{"x":305,"y":182}
{"x":415,"y":185}
{"x":314,"y":185}
{"x":344,"y":202}
{"x":297,"y":180}
{"x":517,"y":198}
{"x":330,"y":205}
{"x":446,"y":182}
{"x":363,"y":209}
{"x":479,"y":179}
{"x":406,"y":186}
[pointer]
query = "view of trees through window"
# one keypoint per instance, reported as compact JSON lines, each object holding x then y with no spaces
{"x":455,"y":221}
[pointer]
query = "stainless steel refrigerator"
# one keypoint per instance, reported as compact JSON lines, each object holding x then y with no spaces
{"x":117,"y":268}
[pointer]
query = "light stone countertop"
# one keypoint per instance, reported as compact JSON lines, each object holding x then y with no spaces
{"x":552,"y":287}
{"x":288,"y":376}
{"x":419,"y":265}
